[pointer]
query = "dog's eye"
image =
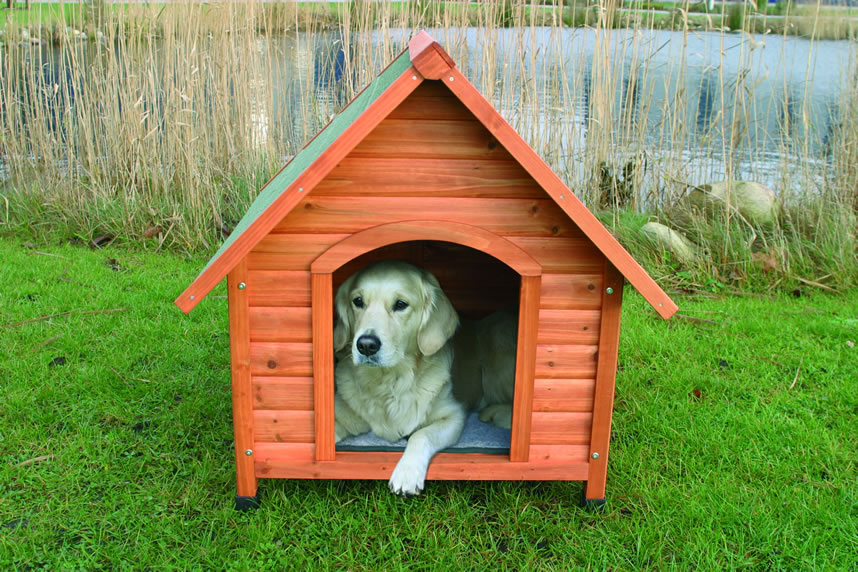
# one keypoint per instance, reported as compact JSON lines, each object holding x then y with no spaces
{"x":358,"y":302}
{"x":400,"y":305}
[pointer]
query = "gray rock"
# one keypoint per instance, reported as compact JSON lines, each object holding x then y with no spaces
{"x":670,"y":240}
{"x":756,"y":202}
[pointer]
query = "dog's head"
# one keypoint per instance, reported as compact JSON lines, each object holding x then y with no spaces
{"x":392,"y":310}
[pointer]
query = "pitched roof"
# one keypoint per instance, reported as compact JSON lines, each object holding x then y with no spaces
{"x":424,"y":59}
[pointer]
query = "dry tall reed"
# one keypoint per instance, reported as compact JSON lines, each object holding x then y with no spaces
{"x":169,"y":122}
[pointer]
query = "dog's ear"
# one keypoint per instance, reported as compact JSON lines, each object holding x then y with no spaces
{"x":439,"y":320}
{"x":343,"y":324}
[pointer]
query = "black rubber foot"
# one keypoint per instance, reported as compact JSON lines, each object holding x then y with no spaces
{"x":592,"y":505}
{"x":245,"y":504}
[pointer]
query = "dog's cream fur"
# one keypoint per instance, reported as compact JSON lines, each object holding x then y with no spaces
{"x":404,"y":385}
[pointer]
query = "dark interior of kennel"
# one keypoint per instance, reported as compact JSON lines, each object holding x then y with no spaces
{"x":476,"y":283}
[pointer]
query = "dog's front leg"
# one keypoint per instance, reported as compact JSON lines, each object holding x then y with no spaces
{"x":409,"y":475}
{"x":346,"y":421}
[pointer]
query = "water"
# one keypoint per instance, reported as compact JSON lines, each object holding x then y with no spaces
{"x":764,"y":104}
{"x":768,"y":101}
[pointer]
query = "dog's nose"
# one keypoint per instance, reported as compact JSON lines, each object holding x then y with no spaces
{"x":368,"y":344}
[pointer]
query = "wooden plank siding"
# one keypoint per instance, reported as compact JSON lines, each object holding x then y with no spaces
{"x":435,"y":138}
{"x":290,"y":251}
{"x":283,"y":393}
{"x":565,"y":361}
{"x":502,"y":216}
{"x":428,"y":177}
{"x":280,"y":324}
{"x":283,"y":426}
{"x":563,"y":395}
{"x":271,"y":288}
{"x":568,"y":326}
{"x":286,"y":359}
{"x":561,"y":428}
{"x":571,"y":291}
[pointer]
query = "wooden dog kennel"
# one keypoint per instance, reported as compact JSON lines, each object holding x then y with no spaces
{"x":421,"y":167}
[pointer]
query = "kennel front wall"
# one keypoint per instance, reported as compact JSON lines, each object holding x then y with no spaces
{"x":429,"y":174}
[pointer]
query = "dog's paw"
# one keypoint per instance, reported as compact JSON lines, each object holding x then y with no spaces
{"x":407,"y":480}
{"x":499,"y":415}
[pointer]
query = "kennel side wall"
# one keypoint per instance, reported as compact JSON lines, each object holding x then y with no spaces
{"x":431,"y":160}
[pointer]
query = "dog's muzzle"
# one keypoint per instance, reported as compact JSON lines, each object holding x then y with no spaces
{"x":368,"y":345}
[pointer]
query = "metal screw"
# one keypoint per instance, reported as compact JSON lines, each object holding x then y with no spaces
{"x":451,"y":78}
{"x":242,"y":285}
{"x":595,"y":455}
{"x":300,"y":189}
{"x":192,"y":297}
{"x":414,"y":77}
{"x":561,"y":196}
{"x":609,"y":290}
{"x":248,"y":452}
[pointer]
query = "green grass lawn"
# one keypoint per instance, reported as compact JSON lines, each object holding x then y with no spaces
{"x":43,"y":14}
{"x":734,"y":442}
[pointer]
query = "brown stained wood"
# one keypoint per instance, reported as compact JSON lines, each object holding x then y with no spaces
{"x":572,"y":291}
{"x":435,"y":139}
{"x":279,"y":287}
{"x":561,"y":428}
{"x":542,"y":173}
{"x":292,"y":393}
{"x":508,"y":217}
{"x":561,"y":255}
{"x":562,"y":361}
{"x":280,"y":324}
{"x":323,"y":366}
{"x":396,"y":177}
{"x":383,"y":235}
{"x":528,"y":325}
{"x":568,"y":326}
{"x":285,"y":452}
{"x":271,"y":359}
{"x":290,"y":251}
{"x":283,"y":426}
{"x":554,"y":395}
{"x":303,"y":184}
{"x":279,"y":461}
{"x":603,"y":404}
{"x":428,"y":56}
{"x":431,"y":108}
{"x":242,"y":396}
{"x":564,"y":453}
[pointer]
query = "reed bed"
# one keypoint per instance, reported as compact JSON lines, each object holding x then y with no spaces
{"x":163,"y":124}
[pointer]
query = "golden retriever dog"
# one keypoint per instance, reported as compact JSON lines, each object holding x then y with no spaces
{"x":399,"y":363}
